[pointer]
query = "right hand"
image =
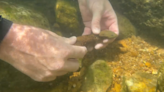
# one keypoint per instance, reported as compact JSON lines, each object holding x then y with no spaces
{"x":40,"y":54}
{"x":98,"y":15}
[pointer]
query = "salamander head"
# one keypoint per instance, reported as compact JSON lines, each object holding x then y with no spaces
{"x":107,"y":34}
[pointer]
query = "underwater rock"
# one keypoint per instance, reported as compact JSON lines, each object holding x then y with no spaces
{"x":98,"y":77}
{"x":160,"y":81}
{"x":68,"y":17}
{"x":140,"y":82}
{"x":146,"y":15}
{"x":126,"y":28}
{"x":23,"y":15}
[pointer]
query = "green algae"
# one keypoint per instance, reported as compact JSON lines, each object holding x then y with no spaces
{"x":146,"y":15}
{"x":141,"y":82}
{"x":98,"y":77}
{"x":23,"y":15}
{"x":67,"y":15}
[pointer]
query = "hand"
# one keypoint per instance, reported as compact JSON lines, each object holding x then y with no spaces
{"x":98,"y":15}
{"x":40,"y":54}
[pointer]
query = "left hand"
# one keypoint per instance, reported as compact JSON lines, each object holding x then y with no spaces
{"x":98,"y":15}
{"x":39,"y":53}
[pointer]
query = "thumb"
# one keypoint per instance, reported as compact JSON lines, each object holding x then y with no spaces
{"x":96,"y":22}
{"x":70,"y":40}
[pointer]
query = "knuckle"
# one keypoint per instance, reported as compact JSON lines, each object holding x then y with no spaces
{"x":56,"y":65}
{"x":61,"y":73}
{"x":39,"y":79}
{"x":48,"y":76}
{"x":67,"y":53}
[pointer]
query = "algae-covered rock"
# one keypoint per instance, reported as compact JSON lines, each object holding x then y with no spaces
{"x":147,"y":15}
{"x":98,"y":77}
{"x":140,"y":82}
{"x":23,"y":15}
{"x":68,"y":17}
{"x":160,"y":81}
{"x":126,"y":28}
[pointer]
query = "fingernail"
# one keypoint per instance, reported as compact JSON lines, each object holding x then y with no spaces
{"x":73,"y":37}
{"x":105,"y":40}
{"x":96,"y":31}
{"x":98,"y":46}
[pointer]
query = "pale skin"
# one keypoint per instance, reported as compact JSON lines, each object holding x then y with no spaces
{"x":98,"y":15}
{"x":43,"y":55}
{"x":40,"y":54}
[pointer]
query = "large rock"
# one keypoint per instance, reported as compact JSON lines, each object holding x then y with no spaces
{"x":126,"y":28}
{"x":23,"y":15}
{"x":147,"y":15}
{"x":140,"y":82}
{"x":98,"y":77}
{"x":160,"y":81}
{"x":68,"y":17}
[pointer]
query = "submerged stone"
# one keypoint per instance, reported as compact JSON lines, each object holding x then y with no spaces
{"x":146,"y":15}
{"x":23,"y":15}
{"x":126,"y":28}
{"x":68,"y":17}
{"x":160,"y":81}
{"x":98,"y":77}
{"x":140,"y":82}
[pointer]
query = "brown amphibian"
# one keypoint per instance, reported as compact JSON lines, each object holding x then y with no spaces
{"x":91,"y":40}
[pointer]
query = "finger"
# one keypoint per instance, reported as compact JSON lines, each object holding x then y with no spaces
{"x":52,"y":33}
{"x":101,"y":45}
{"x":77,"y":52}
{"x":70,"y":40}
{"x":98,"y":46}
{"x":96,"y":22}
{"x":104,"y":44}
{"x":87,"y":31}
{"x":114,"y":28}
{"x":62,"y":72}
{"x":43,"y":77}
{"x":105,"y":40}
{"x":70,"y":65}
{"x":113,"y":23}
{"x":46,"y":79}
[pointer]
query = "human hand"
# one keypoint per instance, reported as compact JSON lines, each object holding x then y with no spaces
{"x":98,"y":15}
{"x":40,"y":54}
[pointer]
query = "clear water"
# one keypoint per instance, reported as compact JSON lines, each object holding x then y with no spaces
{"x":140,"y":42}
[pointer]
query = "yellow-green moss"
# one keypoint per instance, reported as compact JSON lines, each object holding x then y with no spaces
{"x":67,"y":16}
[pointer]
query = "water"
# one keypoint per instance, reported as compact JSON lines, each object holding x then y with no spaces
{"x":137,"y":52}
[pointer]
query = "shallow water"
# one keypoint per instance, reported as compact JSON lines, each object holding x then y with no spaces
{"x":138,"y":49}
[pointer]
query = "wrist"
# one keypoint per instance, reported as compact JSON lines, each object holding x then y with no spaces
{"x":5,"y":44}
{"x":10,"y":36}
{"x":5,"y":26}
